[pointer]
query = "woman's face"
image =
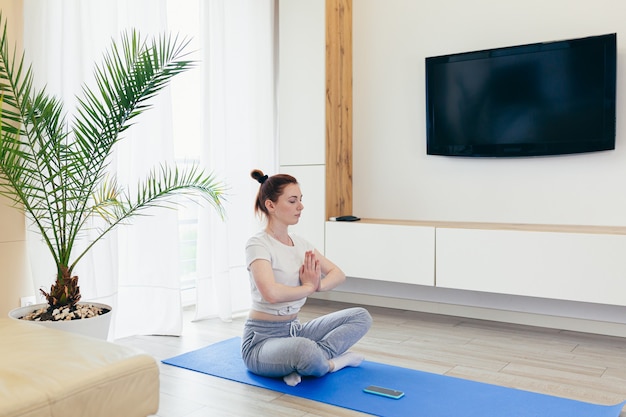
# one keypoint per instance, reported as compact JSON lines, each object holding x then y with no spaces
{"x":288,"y":207}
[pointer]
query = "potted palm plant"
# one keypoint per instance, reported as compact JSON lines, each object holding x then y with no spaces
{"x":55,"y":167}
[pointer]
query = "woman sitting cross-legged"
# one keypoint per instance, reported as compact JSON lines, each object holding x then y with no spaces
{"x":284,"y":270}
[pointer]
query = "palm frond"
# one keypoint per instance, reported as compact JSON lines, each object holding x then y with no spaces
{"x":158,"y":190}
{"x":56,"y":170}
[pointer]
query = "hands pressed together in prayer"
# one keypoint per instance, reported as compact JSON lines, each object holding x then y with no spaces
{"x":311,"y":271}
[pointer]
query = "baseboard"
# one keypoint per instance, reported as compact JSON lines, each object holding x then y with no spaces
{"x":480,"y":313}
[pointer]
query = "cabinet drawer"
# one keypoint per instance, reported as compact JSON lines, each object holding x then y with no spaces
{"x":565,"y":266}
{"x":383,"y":252}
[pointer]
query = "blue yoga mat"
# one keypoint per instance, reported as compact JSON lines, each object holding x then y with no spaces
{"x":426,"y":394}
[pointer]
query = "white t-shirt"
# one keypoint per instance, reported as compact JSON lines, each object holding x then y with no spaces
{"x":285,"y":261}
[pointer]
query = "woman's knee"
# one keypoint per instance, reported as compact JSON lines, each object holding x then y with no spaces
{"x":363,"y":316}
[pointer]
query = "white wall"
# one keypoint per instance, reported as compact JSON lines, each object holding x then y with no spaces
{"x":395,"y":179}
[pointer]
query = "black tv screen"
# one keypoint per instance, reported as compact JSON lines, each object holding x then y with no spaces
{"x":538,"y":99}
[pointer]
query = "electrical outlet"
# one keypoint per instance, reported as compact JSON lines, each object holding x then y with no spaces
{"x":28,"y":301}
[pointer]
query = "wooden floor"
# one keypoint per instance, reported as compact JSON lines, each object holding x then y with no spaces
{"x":580,"y":366}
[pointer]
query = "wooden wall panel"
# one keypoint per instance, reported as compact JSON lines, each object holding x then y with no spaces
{"x":338,"y":107}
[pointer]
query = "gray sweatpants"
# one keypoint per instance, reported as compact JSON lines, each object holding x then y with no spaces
{"x":276,"y":349}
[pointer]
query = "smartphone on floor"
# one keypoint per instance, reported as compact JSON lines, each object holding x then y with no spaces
{"x":385,"y":392}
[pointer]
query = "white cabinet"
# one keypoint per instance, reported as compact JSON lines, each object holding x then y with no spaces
{"x":533,"y":261}
{"x":302,"y":84}
{"x":302,"y":108}
{"x":584,"y":267}
{"x":383,"y":252}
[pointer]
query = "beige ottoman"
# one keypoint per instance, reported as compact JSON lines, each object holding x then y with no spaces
{"x":47,"y":372}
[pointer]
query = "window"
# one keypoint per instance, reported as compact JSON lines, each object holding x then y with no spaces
{"x":184,"y":20}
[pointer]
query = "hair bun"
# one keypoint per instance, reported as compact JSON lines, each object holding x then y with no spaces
{"x":258,"y":175}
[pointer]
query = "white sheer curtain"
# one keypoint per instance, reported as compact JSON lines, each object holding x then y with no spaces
{"x":239,"y":127}
{"x":136,"y":268}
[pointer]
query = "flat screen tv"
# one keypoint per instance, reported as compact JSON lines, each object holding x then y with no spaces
{"x":538,"y":99}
